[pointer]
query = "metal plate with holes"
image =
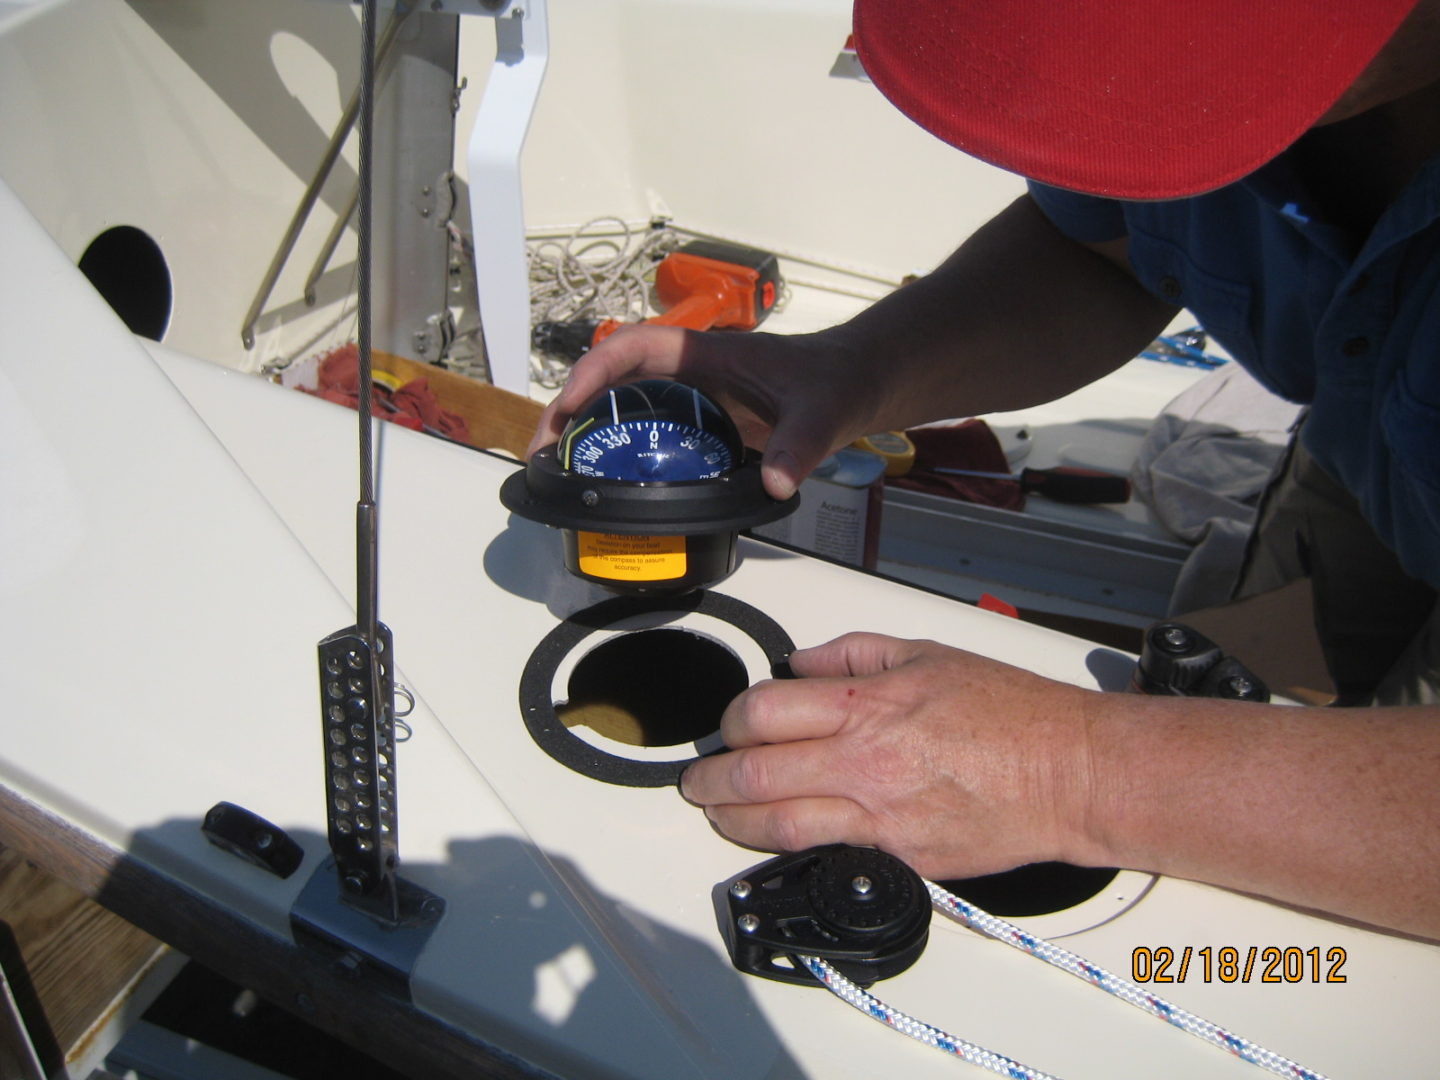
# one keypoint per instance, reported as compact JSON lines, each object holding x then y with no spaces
{"x":357,"y":699}
{"x":362,"y":945}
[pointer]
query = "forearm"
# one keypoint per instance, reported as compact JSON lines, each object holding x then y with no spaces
{"x":1019,"y":315}
{"x":1334,"y":809}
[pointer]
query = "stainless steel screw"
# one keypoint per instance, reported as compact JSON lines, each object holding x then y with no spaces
{"x":862,"y":885}
{"x":748,"y":923}
{"x":740,"y":890}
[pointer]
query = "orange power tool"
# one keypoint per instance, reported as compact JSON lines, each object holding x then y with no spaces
{"x":703,"y":285}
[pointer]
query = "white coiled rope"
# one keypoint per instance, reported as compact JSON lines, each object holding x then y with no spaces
{"x":600,"y":270}
{"x":983,"y":922}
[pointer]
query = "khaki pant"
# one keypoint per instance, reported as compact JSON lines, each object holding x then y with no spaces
{"x":1379,"y":629}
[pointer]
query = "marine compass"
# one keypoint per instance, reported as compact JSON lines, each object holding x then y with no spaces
{"x":650,"y":485}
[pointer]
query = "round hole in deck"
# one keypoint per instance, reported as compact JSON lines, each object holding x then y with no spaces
{"x":660,"y":687}
{"x":128,"y":269}
{"x":1036,"y":889}
{"x":586,"y":751}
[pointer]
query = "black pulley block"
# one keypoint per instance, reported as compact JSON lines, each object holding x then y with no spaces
{"x":865,"y":912}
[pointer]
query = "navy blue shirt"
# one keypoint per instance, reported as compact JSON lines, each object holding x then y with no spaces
{"x":1354,"y":335}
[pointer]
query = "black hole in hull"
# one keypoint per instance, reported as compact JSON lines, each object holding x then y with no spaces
{"x":128,"y":269}
{"x":1036,"y":889}
{"x":658,"y":687}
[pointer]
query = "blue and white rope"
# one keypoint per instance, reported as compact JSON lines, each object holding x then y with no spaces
{"x":970,"y":915}
{"x":918,"y":1030}
{"x":983,"y":922}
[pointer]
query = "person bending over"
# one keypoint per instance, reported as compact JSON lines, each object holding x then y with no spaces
{"x":1274,"y":168}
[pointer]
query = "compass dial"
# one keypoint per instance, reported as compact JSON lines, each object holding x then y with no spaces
{"x":651,"y":432}
{"x":650,"y":450}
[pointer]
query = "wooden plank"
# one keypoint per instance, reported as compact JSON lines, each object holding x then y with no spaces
{"x":304,"y":983}
{"x":498,"y":419}
{"x":71,"y":961}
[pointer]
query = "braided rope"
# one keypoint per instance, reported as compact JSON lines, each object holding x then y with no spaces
{"x":876,"y":1009}
{"x":983,"y":922}
{"x":970,"y":915}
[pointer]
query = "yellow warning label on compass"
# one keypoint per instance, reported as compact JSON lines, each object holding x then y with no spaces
{"x":631,"y":558}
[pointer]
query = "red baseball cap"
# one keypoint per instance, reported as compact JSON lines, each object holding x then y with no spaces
{"x":1135,"y":99}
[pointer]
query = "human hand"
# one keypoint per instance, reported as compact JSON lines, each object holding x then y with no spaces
{"x":797,"y":398}
{"x":957,"y":764}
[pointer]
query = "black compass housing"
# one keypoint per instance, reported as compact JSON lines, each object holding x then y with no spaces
{"x":670,"y":534}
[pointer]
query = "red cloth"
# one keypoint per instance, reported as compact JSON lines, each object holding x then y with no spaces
{"x":412,"y":405}
{"x":969,"y":444}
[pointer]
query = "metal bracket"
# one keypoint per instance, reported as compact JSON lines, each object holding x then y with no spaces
{"x":433,"y":342}
{"x":363,"y":943}
{"x":497,"y":211}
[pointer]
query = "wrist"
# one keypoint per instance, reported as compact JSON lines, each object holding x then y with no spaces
{"x":1117,"y":755}
{"x":889,"y":378}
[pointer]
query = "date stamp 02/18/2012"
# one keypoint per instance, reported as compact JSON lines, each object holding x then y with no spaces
{"x":1229,"y":964}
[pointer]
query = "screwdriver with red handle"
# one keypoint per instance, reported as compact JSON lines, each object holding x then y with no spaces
{"x":1063,"y":483}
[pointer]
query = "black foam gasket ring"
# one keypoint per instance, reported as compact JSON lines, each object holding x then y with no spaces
{"x":537,"y":703}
